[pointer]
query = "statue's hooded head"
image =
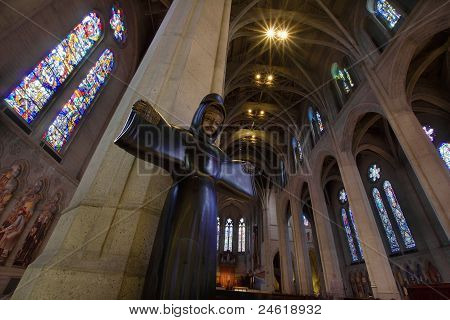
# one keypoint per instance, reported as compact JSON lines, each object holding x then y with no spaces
{"x":208,"y":119}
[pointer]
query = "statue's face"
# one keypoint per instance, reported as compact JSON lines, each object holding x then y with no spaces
{"x":212,"y":119}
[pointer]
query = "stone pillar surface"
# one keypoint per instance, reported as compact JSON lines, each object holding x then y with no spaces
{"x":101,"y":245}
{"x":334,"y":286}
{"x":303,"y":275}
{"x":377,"y":263}
{"x":285,"y":256}
{"x":430,"y":170}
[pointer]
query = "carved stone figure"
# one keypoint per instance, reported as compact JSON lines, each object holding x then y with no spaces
{"x":183,"y":260}
{"x":433,"y":273}
{"x":8,"y":185}
{"x":38,"y":231}
{"x":13,"y":227}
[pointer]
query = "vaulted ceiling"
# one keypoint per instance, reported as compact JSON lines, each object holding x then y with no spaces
{"x":270,"y":82}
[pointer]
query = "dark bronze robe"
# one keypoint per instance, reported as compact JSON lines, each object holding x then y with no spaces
{"x":183,"y":259}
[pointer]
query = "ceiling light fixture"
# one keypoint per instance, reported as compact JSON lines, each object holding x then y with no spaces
{"x":271,"y":33}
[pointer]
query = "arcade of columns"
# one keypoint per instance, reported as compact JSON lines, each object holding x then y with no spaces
{"x":102,"y":243}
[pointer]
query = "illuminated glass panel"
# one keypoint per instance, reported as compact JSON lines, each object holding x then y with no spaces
{"x":429,"y":131}
{"x":444,"y":151}
{"x":241,"y":236}
{"x":305,"y":221}
{"x":36,"y":89}
{"x":344,"y":79}
{"x":343,"y":196}
{"x":228,"y":243}
{"x":319,"y":122}
{"x":374,"y":173}
{"x":71,"y":113}
{"x":392,"y":239}
{"x":350,"y":213}
{"x":405,"y":233}
{"x":348,"y":232}
{"x":218,"y":232}
{"x":387,"y":12}
{"x":117,"y":23}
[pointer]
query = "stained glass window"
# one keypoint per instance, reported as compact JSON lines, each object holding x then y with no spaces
{"x":374,"y":173}
{"x":429,"y":132}
{"x":343,"y":196}
{"x":444,"y":151}
{"x":218,"y":232}
{"x":319,"y":122}
{"x":241,"y":236}
{"x":343,"y":78}
{"x":71,"y":113}
{"x":305,"y":221}
{"x":408,"y":239}
{"x":228,"y":243}
{"x":350,"y":213}
{"x":117,"y":23}
{"x":36,"y":89}
{"x":392,"y":239}
{"x":348,"y":232}
{"x":387,"y":12}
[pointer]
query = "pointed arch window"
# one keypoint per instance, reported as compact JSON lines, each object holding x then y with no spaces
{"x":241,"y":236}
{"x":65,"y":123}
{"x":218,"y":232}
{"x":387,"y":13}
{"x":351,"y":232}
{"x":405,"y":233}
{"x":228,"y":243}
{"x":297,"y":151}
{"x":342,"y":78}
{"x":395,"y":214}
{"x":315,"y":121}
{"x":34,"y":92}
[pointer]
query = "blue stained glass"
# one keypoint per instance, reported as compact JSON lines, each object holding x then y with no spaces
{"x":408,"y":239}
{"x":71,"y":113}
{"x":387,"y":12}
{"x":36,"y":89}
{"x":348,"y":232}
{"x":393,"y":243}
{"x":350,"y":213}
{"x":444,"y":151}
{"x":218,"y":232}
{"x":228,"y":243}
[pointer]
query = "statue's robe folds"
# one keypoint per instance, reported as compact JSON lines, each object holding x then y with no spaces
{"x":183,"y":259}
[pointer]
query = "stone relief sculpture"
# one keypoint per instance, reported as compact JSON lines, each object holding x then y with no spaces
{"x":14,"y":225}
{"x":8,"y":184}
{"x":39,"y":230}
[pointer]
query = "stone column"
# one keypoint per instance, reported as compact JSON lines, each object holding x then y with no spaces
{"x":422,"y":155}
{"x":377,"y":263}
{"x":285,"y":255}
{"x":303,"y":275}
{"x":334,"y":286}
{"x":268,"y":205}
{"x":101,"y":245}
